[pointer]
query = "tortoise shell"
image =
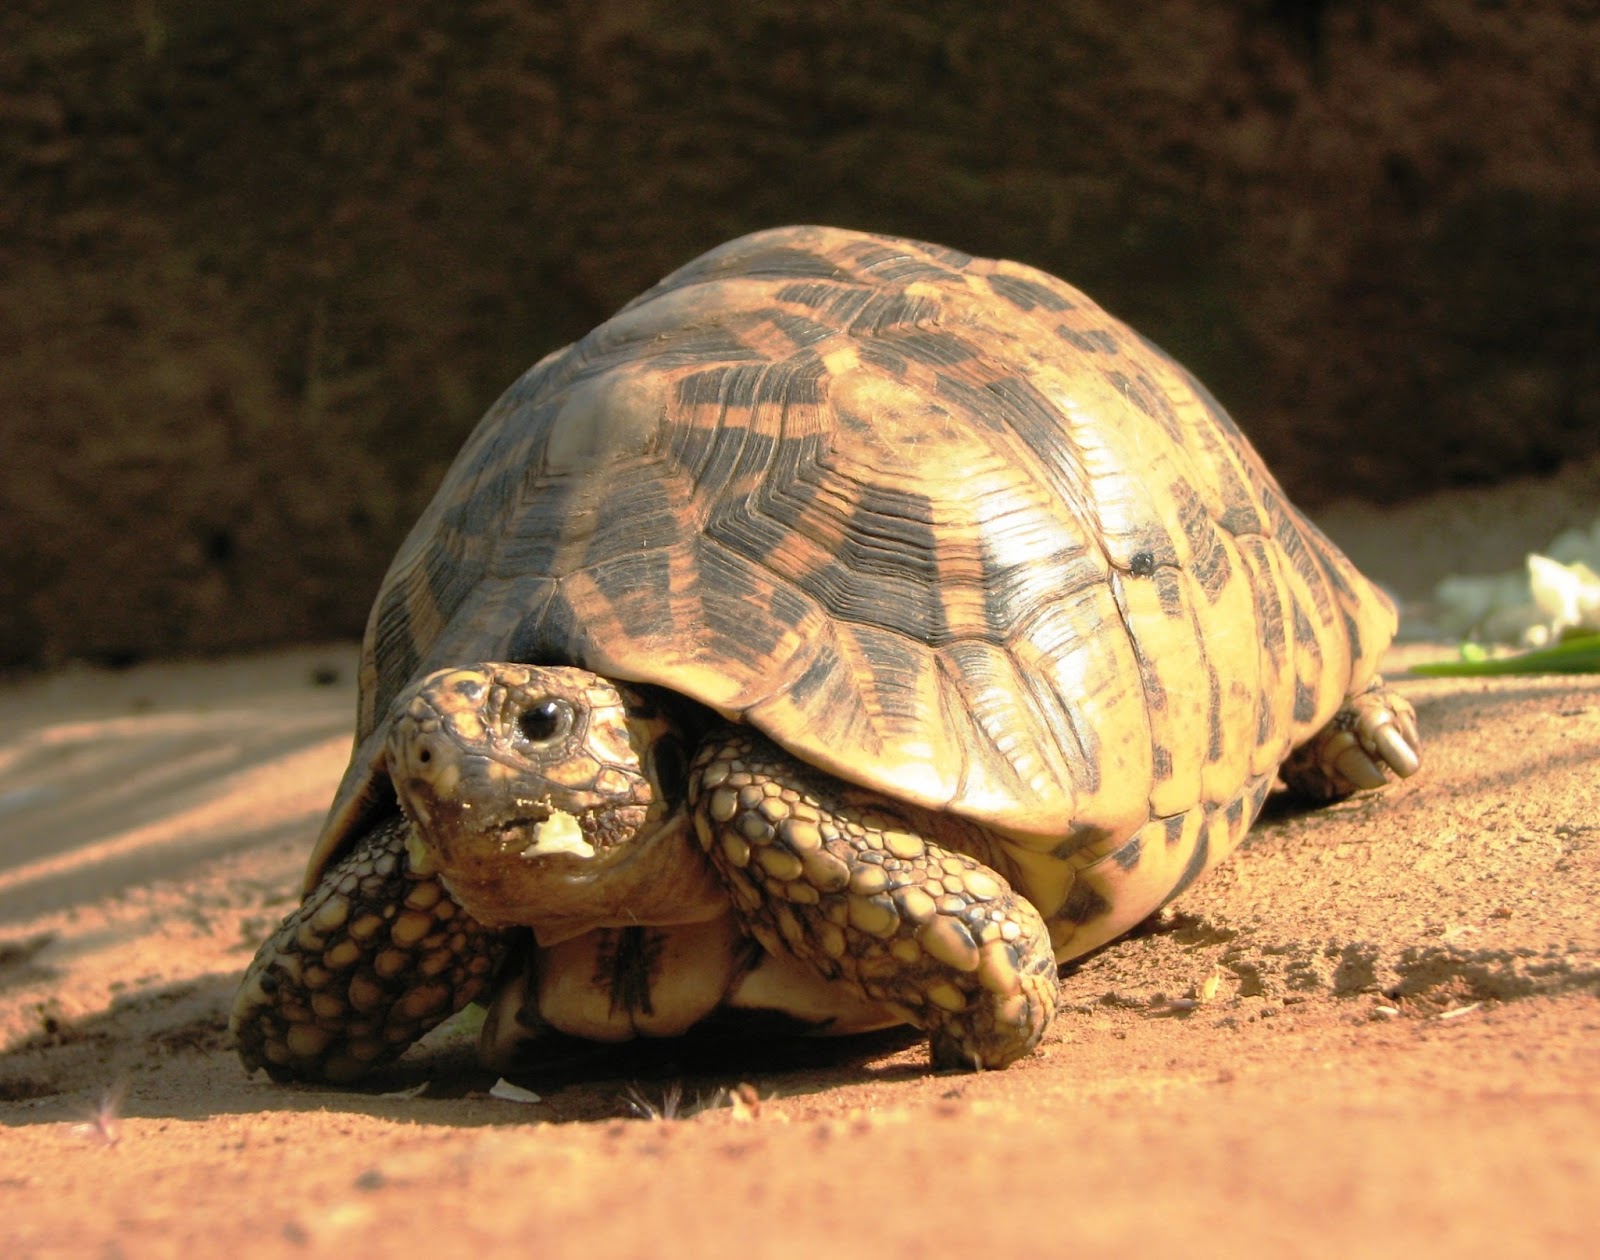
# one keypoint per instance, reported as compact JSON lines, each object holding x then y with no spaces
{"x":938,"y":525}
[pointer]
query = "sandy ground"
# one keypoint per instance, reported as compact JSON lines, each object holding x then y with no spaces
{"x":1376,"y":1031}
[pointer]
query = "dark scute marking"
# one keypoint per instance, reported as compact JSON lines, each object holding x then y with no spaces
{"x":790,"y":382}
{"x":1209,"y":563}
{"x":1160,"y":756}
{"x":1305,"y":702}
{"x":643,"y":514}
{"x":1352,"y":634}
{"x":694,"y":447}
{"x":450,"y":578}
{"x":625,"y":965}
{"x":892,"y":531}
{"x":885,"y":572}
{"x":813,"y":295}
{"x":1194,"y":867}
{"x":998,"y":583}
{"x":844,"y":304}
{"x":786,"y":605}
{"x":797,"y":381}
{"x":891,"y":310}
{"x":626,"y":573}
{"x":932,"y":346}
{"x":531,"y":541}
{"x":549,"y":634}
{"x":1214,"y":745}
{"x":1142,"y":564}
{"x":393,"y":648}
{"x":1027,"y":294}
{"x":1264,"y":592}
{"x":953,"y":259}
{"x":1263,"y":721}
{"x":742,"y":386}
{"x":1080,"y":837}
{"x":726,"y":386}
{"x":1155,"y":695}
{"x":1269,"y":623}
{"x":881,"y":251}
{"x":1169,"y":594}
{"x":1242,"y":515}
{"x":1249,"y":503}
{"x":701,"y":389}
{"x":689,"y":347}
{"x":1012,"y":591}
{"x":1083,"y":905}
{"x":731,"y":627}
{"x":482,"y":510}
{"x":815,"y":677}
{"x":893,"y":264}
{"x":528,"y":644}
{"x":1322,"y":549}
{"x":1089,"y":340}
{"x":788,"y":262}
{"x":1231,"y":475}
{"x":1127,"y":855}
{"x":1030,"y":414}
{"x":1135,"y":391}
{"x":1305,"y":563}
{"x":1174,"y":829}
{"x":883,"y":356}
{"x":763,"y":255}
{"x":799,"y":329}
{"x":1305,"y":633}
{"x":868,"y":594}
{"x":1258,"y":795}
{"x":895,"y":665}
{"x":1234,"y":813}
{"x":737,"y":452}
{"x":973,"y":402}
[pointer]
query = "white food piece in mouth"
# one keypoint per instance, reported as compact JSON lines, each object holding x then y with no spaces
{"x":559,"y":833}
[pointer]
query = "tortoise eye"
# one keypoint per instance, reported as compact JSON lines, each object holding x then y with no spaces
{"x":545,"y":721}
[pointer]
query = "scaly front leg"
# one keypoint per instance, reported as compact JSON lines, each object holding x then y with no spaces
{"x":878,"y":896}
{"x":374,"y":957}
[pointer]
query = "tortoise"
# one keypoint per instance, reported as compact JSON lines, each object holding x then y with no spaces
{"x":846,"y":633}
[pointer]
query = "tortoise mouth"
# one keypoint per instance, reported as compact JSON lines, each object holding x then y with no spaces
{"x":545,"y":833}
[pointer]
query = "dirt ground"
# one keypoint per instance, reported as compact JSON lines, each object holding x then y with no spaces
{"x":1375,"y":1031}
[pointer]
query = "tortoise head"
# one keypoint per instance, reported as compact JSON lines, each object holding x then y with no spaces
{"x":549,"y":797}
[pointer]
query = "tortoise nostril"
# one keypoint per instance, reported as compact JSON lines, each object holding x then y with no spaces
{"x":425,"y":755}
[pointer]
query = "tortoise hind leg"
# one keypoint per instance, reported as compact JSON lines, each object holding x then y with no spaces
{"x":374,"y":957}
{"x":1373,"y":735}
{"x":879,"y":898}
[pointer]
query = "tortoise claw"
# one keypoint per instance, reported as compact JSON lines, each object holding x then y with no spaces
{"x":1353,"y":765}
{"x":1375,"y":733}
{"x":1399,"y":753}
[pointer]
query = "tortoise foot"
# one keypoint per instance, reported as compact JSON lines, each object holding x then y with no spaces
{"x":879,"y":898}
{"x":1373,"y":736}
{"x":374,"y":957}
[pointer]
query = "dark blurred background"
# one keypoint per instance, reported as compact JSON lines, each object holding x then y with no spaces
{"x":263,"y":264}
